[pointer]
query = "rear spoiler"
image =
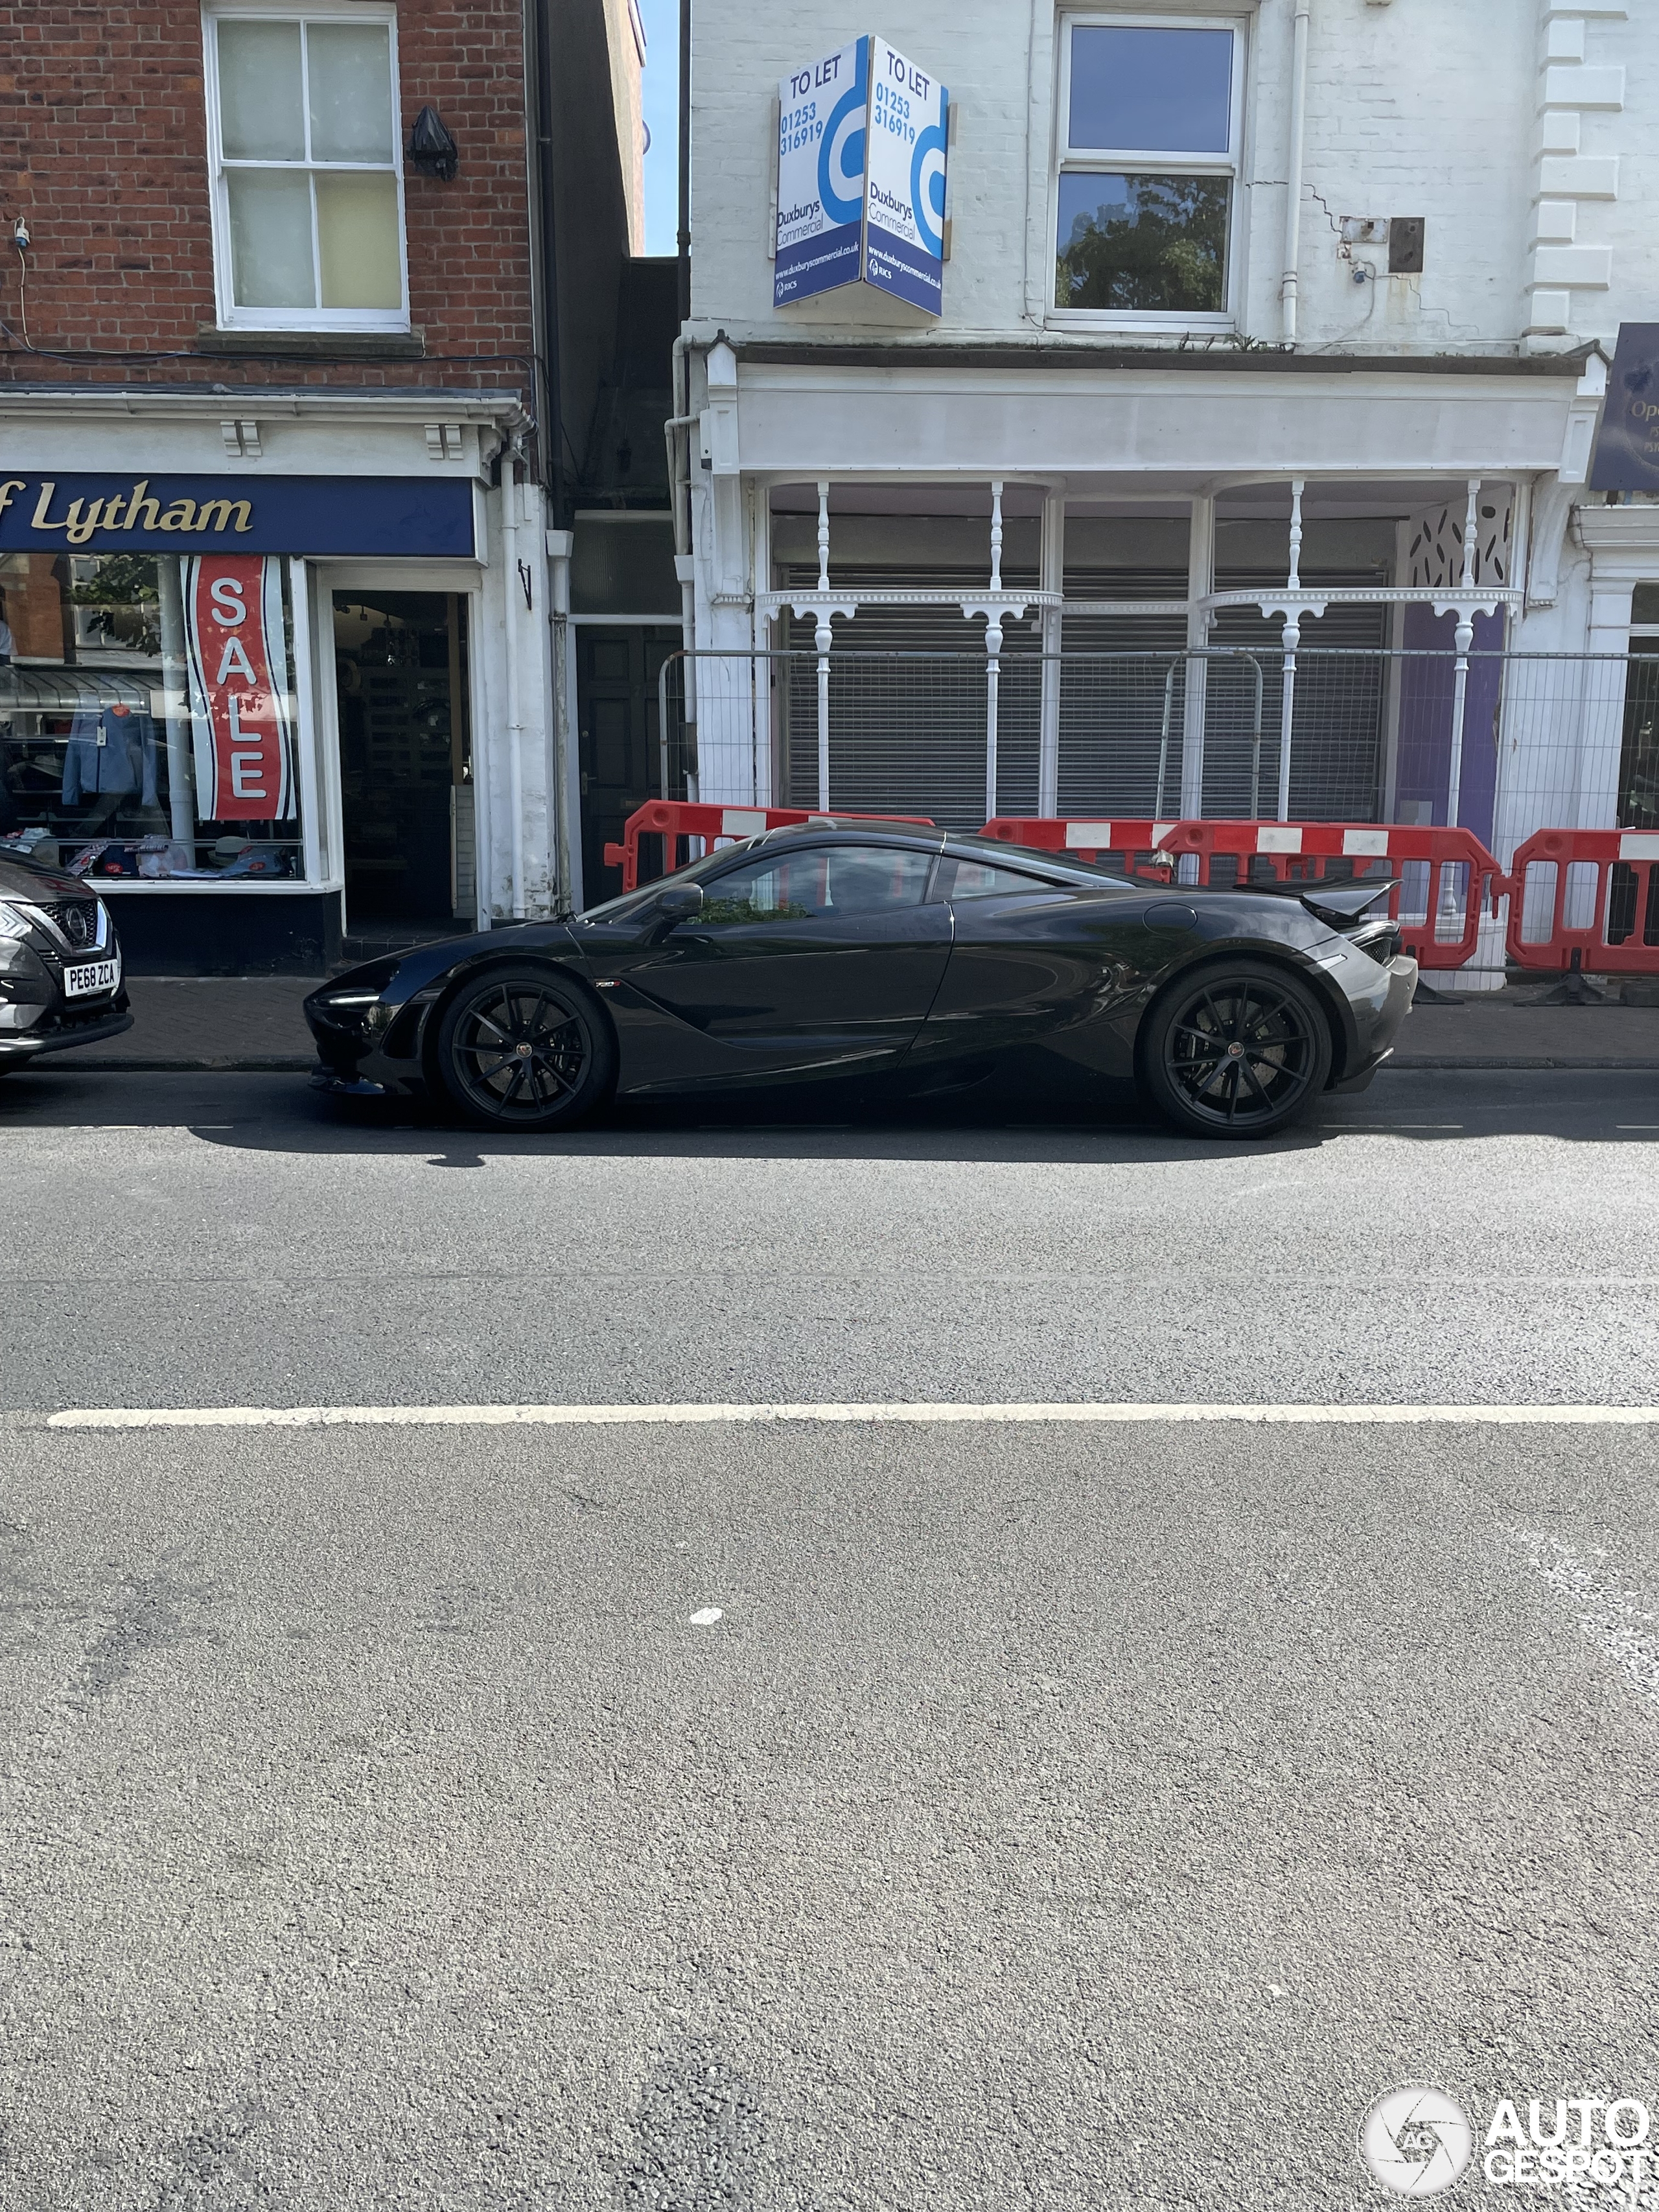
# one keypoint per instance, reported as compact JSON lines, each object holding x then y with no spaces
{"x":1342,"y":904}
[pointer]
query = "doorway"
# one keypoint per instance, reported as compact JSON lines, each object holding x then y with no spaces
{"x":616,"y":705}
{"x":405,"y":761}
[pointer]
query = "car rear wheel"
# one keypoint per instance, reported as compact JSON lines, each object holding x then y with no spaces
{"x":523,"y":1047}
{"x":1238,"y":1051}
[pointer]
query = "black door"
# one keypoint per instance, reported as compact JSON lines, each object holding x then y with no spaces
{"x":400,"y":669}
{"x":620,"y":744}
{"x":821,"y":957}
{"x":1035,"y":962}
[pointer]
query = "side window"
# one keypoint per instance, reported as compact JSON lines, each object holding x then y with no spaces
{"x":305,"y":156}
{"x":972,"y":879}
{"x":834,"y":883}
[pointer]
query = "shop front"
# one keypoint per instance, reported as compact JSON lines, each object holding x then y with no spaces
{"x":273,"y":715}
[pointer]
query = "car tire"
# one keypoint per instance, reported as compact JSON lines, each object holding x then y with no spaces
{"x":525,"y":1047}
{"x":1239,"y":1050}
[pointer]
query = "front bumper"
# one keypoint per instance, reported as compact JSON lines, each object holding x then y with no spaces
{"x":61,"y":1034}
{"x":354,"y":1061}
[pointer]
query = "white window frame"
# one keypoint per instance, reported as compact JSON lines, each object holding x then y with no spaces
{"x":230,"y":316}
{"x":1117,"y":159}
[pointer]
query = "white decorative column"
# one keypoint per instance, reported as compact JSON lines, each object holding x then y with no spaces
{"x":1292,"y":639}
{"x":725,"y":729}
{"x":993,"y":652}
{"x":824,"y":637}
{"x":1464,"y":640}
{"x":1051,"y":577}
{"x":1201,"y":583}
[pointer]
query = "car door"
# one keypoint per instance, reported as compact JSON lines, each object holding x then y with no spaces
{"x":823,"y":956}
{"x":1035,"y":960}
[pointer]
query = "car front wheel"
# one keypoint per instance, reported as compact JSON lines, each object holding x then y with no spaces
{"x":1236,"y":1051}
{"x":523,"y":1047}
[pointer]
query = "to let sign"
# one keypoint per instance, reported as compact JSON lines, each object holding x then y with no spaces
{"x":862,"y":145}
{"x":238,"y":672}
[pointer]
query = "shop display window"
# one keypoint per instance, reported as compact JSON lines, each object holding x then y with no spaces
{"x":147,"y":716}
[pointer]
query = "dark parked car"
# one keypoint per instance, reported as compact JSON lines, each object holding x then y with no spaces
{"x":60,"y":965}
{"x":844,"y":950}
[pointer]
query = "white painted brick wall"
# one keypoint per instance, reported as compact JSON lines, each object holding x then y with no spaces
{"x":1421,"y":108}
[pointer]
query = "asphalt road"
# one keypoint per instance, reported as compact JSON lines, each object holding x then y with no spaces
{"x":1059,"y":1817}
{"x":212,"y":1239}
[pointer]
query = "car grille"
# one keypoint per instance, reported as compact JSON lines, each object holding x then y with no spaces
{"x":76,"y":922}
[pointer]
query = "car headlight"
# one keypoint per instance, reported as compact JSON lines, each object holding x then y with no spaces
{"x":12,"y":923}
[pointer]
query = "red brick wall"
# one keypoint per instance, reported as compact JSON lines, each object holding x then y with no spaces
{"x":103,"y":148}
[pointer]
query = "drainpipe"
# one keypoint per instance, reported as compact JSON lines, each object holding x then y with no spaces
{"x":682,"y":421}
{"x":683,"y":241}
{"x":514,"y":708}
{"x":1293,"y":169}
{"x":552,"y":452}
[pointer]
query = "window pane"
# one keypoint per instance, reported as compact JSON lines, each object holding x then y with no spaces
{"x":974,"y":879}
{"x":270,"y":238}
{"x":357,"y":233}
{"x":1644,"y":605}
{"x":112,"y":756}
{"x":260,"y":112}
{"x":1158,"y":91}
{"x":836,"y":883}
{"x":1149,"y":243}
{"x":350,"y":70}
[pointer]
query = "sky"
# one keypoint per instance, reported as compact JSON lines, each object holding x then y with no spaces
{"x":661,"y":87}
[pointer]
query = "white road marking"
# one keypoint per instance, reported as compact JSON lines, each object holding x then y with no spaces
{"x":1609,"y":1618}
{"x":706,"y":1617}
{"x":692,"y":1415}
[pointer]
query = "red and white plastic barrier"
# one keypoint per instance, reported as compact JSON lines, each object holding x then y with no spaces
{"x":1578,"y":899}
{"x":671,"y":819}
{"x":1586,"y":899}
{"x":1462,"y":883}
{"x":1136,"y":841}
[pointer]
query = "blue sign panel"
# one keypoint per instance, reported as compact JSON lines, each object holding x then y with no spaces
{"x":822,"y":127}
{"x":904,"y":242}
{"x":79,"y":514}
{"x":1627,"y":449}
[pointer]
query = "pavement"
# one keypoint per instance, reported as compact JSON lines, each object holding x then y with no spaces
{"x":254,"y":1023}
{"x":893,"y":1816}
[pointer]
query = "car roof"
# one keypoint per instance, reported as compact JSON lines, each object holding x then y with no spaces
{"x":845,"y":828}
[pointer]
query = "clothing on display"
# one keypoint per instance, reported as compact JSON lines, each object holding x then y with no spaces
{"x":111,"y":752}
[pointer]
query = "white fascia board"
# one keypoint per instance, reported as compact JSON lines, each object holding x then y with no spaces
{"x":984,"y":422}
{"x":313,"y":434}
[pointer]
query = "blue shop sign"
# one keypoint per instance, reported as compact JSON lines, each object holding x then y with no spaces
{"x":1627,"y":449}
{"x":408,"y":515}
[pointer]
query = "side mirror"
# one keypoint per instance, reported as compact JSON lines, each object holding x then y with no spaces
{"x":680,"y":902}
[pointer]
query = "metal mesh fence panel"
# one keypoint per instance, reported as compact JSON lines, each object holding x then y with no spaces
{"x":1547,"y":740}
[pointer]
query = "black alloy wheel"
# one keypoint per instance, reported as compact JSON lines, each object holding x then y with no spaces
{"x":524,"y":1048}
{"x":1237,"y":1051}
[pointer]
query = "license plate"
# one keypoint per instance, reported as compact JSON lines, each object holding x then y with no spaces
{"x":98,"y":975}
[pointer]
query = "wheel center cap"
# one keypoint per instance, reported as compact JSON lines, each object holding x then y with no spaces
{"x":524,"y":1051}
{"x":1235,"y":1052}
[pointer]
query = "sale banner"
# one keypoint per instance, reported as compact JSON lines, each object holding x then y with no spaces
{"x":238,"y":672}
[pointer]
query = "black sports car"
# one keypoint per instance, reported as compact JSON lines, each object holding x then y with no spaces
{"x":60,"y":965}
{"x":850,"y":950}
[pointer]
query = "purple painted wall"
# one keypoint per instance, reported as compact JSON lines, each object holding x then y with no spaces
{"x":1427,"y":686}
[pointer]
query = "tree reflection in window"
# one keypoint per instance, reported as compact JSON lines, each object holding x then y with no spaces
{"x":1145,"y":243}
